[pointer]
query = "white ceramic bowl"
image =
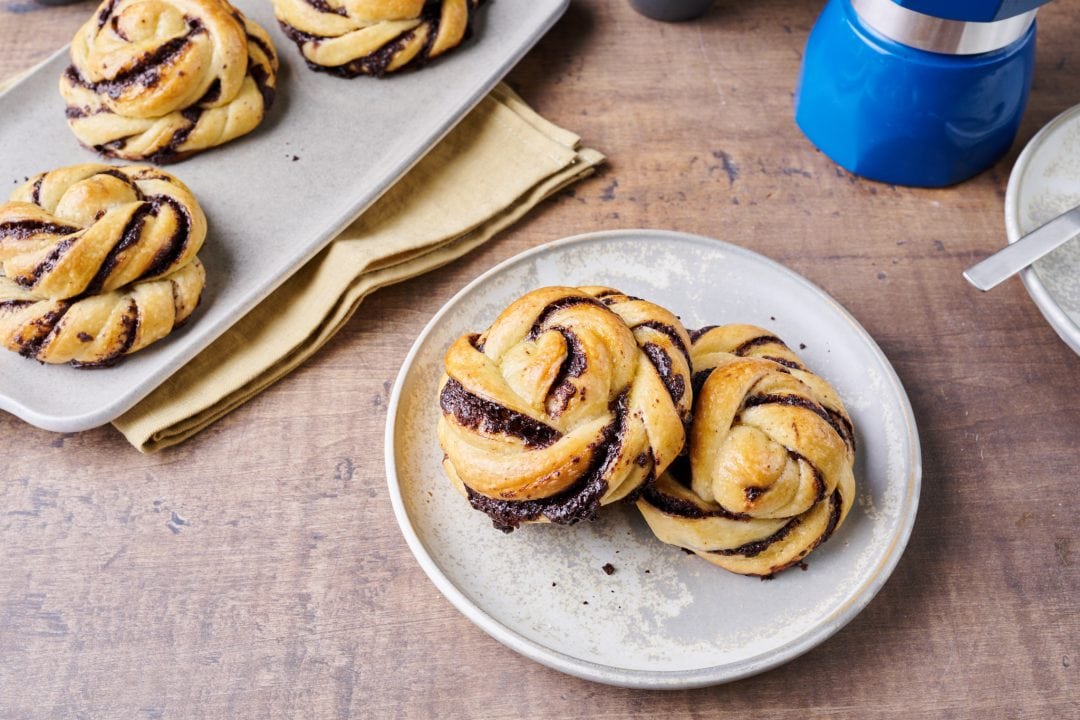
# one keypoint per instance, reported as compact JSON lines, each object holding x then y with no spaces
{"x":1045,"y":182}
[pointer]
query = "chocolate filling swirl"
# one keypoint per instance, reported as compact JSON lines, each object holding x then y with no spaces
{"x":832,"y":418}
{"x":578,"y":502}
{"x":147,"y":70}
{"x":755,"y":548}
{"x":485,"y":416}
{"x":563,"y":389}
{"x":673,"y":381}
{"x":22,"y":229}
{"x":378,"y":63}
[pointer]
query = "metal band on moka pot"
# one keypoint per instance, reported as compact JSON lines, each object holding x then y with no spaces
{"x":917,"y":92}
{"x":941,"y":35}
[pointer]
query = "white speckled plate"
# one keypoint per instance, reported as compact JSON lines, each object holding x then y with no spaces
{"x":327,"y":150}
{"x":1045,"y":182}
{"x":663,"y":619}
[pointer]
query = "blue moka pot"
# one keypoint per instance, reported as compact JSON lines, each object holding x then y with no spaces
{"x":917,"y":92}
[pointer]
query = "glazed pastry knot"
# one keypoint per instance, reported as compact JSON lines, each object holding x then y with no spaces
{"x":374,"y":37}
{"x":771,"y":458}
{"x":97,"y":262}
{"x":159,"y":80}
{"x":572,"y":399}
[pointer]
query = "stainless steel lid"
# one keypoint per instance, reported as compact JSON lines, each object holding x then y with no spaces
{"x":933,"y":34}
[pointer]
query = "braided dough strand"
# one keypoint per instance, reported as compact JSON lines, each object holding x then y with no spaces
{"x":98,"y":330}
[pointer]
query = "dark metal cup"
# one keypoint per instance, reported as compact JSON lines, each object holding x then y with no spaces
{"x":671,"y":10}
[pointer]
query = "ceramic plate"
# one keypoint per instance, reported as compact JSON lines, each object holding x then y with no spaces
{"x":1045,"y":182}
{"x":663,"y":619}
{"x":327,"y":150}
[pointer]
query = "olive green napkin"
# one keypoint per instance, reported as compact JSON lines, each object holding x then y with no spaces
{"x":497,"y":164}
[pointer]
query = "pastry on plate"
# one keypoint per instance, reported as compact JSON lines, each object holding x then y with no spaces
{"x":770,"y":472}
{"x":374,"y":37}
{"x":97,"y":262}
{"x":159,"y":80}
{"x":572,"y":399}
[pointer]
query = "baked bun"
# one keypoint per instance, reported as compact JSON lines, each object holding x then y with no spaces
{"x":374,"y":37}
{"x":771,"y":458}
{"x":572,"y":399}
{"x":97,"y":262}
{"x":159,"y":80}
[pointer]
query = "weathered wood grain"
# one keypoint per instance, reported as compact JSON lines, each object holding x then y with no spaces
{"x":256,"y":571}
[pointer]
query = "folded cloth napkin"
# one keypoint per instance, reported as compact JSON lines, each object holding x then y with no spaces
{"x":501,"y":161}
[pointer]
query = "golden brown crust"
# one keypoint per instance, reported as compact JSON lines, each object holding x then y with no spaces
{"x":97,"y":262}
{"x":159,"y":80}
{"x":572,"y":399}
{"x":373,"y":37}
{"x":771,"y":458}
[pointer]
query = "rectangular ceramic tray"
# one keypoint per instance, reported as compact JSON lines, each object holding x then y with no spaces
{"x":267,"y":213}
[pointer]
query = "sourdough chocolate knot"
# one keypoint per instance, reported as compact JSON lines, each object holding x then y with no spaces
{"x":374,"y":37}
{"x":97,"y":262}
{"x":572,"y":399}
{"x":159,"y":80}
{"x":771,"y":458}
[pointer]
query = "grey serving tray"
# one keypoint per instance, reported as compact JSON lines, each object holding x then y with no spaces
{"x":328,"y":149}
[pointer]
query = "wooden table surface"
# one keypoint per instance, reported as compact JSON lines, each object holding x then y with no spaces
{"x":257,"y":570}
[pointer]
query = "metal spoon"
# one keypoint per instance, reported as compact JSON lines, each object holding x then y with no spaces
{"x":1012,"y":259}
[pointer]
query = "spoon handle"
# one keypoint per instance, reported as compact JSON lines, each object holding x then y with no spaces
{"x":1012,"y":259}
